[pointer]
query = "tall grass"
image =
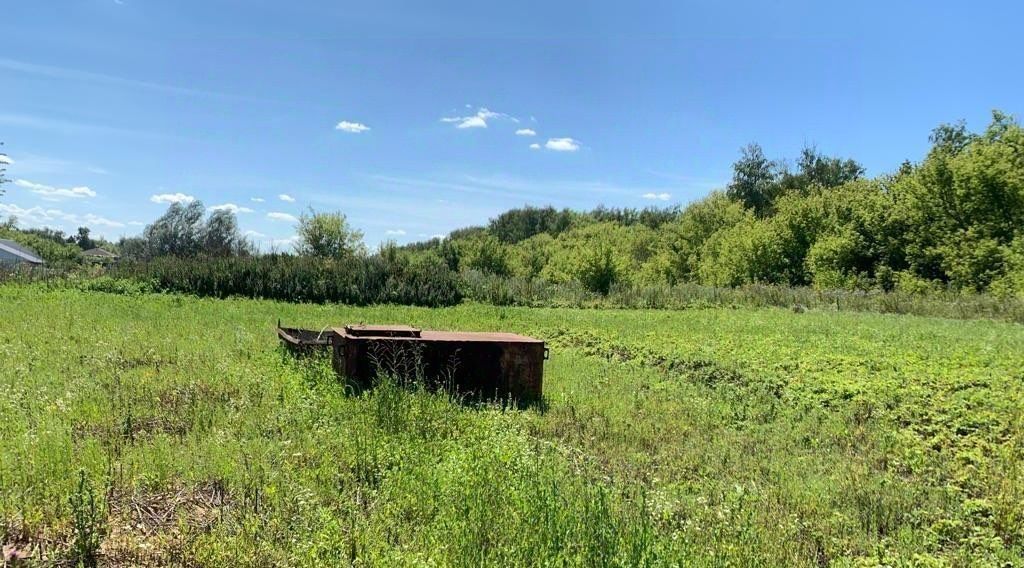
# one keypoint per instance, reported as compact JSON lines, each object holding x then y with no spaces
{"x":504,"y":291}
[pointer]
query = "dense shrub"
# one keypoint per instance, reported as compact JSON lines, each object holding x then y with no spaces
{"x":424,"y":281}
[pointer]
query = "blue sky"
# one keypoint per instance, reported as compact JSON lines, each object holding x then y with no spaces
{"x":418,"y":118}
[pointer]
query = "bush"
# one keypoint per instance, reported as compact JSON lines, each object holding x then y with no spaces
{"x":832,"y":260}
{"x":121,"y":286}
{"x":421,"y":281}
{"x":750,"y":252}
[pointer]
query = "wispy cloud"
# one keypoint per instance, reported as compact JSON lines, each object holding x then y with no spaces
{"x":172,"y":198}
{"x":278,"y":216}
{"x":478,"y":120}
{"x":230,"y":207}
{"x":51,"y":193}
{"x":36,"y":165}
{"x":535,"y":146}
{"x":68,"y":74}
{"x":254,"y":234}
{"x":562,"y":144}
{"x":658,"y":196}
{"x":526,"y":132}
{"x":286,"y":197}
{"x":257,"y":199}
{"x":283,"y":243}
{"x":394,"y":232}
{"x":353,"y":127}
{"x":74,"y":127}
{"x":46,"y":216}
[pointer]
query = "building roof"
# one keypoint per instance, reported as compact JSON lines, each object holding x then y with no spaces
{"x":20,"y":251}
{"x":99,"y":252}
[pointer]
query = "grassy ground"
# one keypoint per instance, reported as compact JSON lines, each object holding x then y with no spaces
{"x":165,"y":429}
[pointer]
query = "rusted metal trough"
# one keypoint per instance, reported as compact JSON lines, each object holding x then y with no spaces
{"x":487,"y":365}
{"x":303,"y":341}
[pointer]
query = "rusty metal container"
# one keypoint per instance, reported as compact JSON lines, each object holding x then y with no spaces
{"x":487,"y":365}
{"x":304,"y":341}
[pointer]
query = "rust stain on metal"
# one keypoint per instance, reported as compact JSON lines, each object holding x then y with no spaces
{"x":304,"y":341}
{"x":490,"y":365}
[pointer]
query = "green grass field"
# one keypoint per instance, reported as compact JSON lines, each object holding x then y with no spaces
{"x":160,"y":429}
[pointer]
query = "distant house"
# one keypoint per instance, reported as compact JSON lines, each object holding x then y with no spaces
{"x":12,"y":253}
{"x":100,"y":255}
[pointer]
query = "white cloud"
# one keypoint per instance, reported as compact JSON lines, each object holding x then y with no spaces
{"x":257,"y":200}
{"x":562,"y":144}
{"x":278,"y":216}
{"x":42,"y":216}
{"x":97,"y":170}
{"x":535,"y":146}
{"x":136,"y":223}
{"x":658,"y":196}
{"x":286,"y":197}
{"x":526,"y":132}
{"x":353,"y":127}
{"x":50,"y":193}
{"x":278,"y":244}
{"x":254,"y":234}
{"x":478,"y":120}
{"x":394,"y":232}
{"x":230,"y":207}
{"x":473,"y":122}
{"x":5,"y":160}
{"x":172,"y":198}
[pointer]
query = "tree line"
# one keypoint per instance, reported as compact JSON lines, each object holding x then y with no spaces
{"x":954,"y":220}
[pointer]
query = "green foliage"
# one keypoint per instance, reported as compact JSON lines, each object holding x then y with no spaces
{"x":328,"y":235}
{"x":517,"y":225}
{"x":750,"y":252}
{"x":89,"y":521}
{"x":969,"y":187}
{"x":531,"y":255}
{"x":55,"y":252}
{"x":754,"y":180}
{"x":599,"y":269}
{"x":599,"y":255}
{"x":185,"y":231}
{"x":391,"y":278}
{"x":831,"y":261}
{"x":120,"y":286}
{"x":650,"y":217}
{"x":816,"y":171}
{"x":485,"y":253}
{"x":684,"y":239}
{"x":702,"y":437}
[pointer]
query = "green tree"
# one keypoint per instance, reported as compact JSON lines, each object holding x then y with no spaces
{"x":968,"y":187}
{"x":516,"y":225}
{"x":683,"y":240}
{"x":178,"y":232}
{"x":328,"y":235}
{"x":815,"y":170}
{"x":83,"y":240}
{"x":221,"y":237}
{"x":529,"y":257}
{"x":754,"y":180}
{"x":746,"y":253}
{"x":485,"y":253}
